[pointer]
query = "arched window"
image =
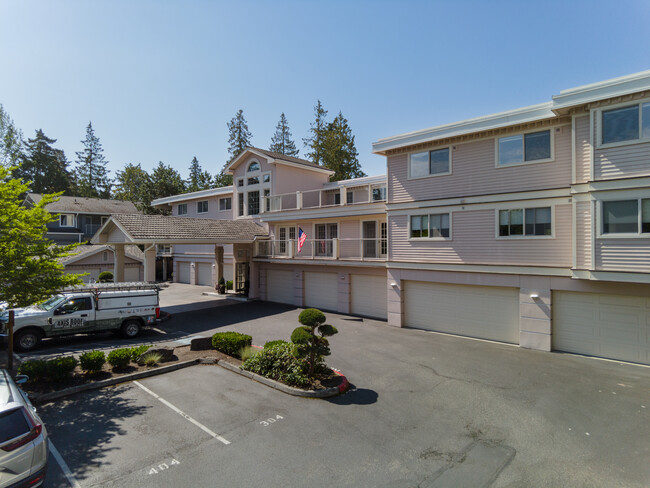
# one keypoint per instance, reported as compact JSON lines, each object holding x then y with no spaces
{"x":254,"y":166}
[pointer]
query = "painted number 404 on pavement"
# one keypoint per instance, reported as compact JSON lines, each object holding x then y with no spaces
{"x":163,"y":467}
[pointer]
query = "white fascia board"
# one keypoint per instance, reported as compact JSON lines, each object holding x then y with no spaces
{"x":621,"y":276}
{"x":328,"y":213}
{"x":610,"y":185}
{"x":303,"y":166}
{"x":224,"y":190}
{"x":497,"y":198}
{"x":366,"y":180}
{"x":602,"y":90}
{"x":523,"y":115}
{"x":323,"y":262}
{"x":482,"y":268}
{"x":163,"y":240}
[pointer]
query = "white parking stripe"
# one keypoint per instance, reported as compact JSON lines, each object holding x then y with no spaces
{"x":64,"y":466}
{"x":183,"y":414}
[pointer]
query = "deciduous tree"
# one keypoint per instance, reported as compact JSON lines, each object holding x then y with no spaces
{"x":165,"y":182}
{"x":134,"y":184}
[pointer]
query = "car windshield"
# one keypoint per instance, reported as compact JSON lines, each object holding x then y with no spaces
{"x":50,"y":303}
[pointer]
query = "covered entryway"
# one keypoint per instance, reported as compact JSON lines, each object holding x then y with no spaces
{"x":609,"y":326}
{"x":485,"y":312}
{"x":183,"y":272}
{"x":369,"y":296}
{"x":321,"y":291}
{"x":279,"y":286}
{"x":204,"y":274}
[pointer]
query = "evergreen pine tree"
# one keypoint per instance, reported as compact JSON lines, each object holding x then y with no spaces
{"x":44,"y":165}
{"x":339,"y":151}
{"x":91,"y":174}
{"x":239,"y":138}
{"x":199,"y":179}
{"x":281,"y":141}
{"x":134,"y":184}
{"x":315,"y":142}
{"x":165,"y":182}
{"x":10,"y":140}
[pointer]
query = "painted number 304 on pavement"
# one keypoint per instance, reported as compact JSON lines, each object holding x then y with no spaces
{"x":68,"y":323}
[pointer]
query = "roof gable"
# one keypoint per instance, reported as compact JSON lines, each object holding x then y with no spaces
{"x":274,"y":157}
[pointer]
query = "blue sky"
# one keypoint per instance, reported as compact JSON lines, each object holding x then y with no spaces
{"x":160,"y":79}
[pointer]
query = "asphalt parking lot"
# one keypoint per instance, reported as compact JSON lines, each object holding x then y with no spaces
{"x":425,"y":410}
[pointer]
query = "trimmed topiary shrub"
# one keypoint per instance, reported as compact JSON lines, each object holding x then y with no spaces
{"x":105,"y":277}
{"x":60,"y":369}
{"x":231,"y":343}
{"x":92,"y":361}
{"x":274,"y":343}
{"x":34,"y":368}
{"x":278,"y":363}
{"x":310,"y":338}
{"x":137,"y":351}
{"x":119,"y":358}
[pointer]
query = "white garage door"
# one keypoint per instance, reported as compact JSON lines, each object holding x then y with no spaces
{"x":183,"y":272}
{"x":279,"y":286}
{"x":369,"y":296}
{"x":486,"y":312}
{"x":610,"y":326}
{"x":321,"y":291}
{"x":204,"y":274}
{"x":132,"y":274}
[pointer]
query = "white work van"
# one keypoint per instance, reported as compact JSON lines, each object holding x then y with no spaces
{"x":123,"y":307}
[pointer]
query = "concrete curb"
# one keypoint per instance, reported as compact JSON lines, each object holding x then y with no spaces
{"x":55,"y":395}
{"x":325,"y":393}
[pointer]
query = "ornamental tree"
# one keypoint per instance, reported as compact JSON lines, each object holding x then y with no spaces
{"x":310,"y":338}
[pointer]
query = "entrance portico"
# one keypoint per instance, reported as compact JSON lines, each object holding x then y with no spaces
{"x":150,"y":231}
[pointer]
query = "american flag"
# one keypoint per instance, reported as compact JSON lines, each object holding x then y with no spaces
{"x":302,"y":237}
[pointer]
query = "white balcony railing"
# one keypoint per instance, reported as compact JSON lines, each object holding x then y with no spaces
{"x":332,"y":197}
{"x":342,"y":249}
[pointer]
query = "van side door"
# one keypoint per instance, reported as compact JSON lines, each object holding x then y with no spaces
{"x":77,"y":314}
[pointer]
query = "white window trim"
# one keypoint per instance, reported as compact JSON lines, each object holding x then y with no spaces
{"x":525,"y":163}
{"x":524,"y":236}
{"x":408,"y":163}
{"x":69,"y":220}
{"x":242,"y":183}
{"x":621,"y":235}
{"x":225,"y":209}
{"x":178,"y":209}
{"x":599,"y":124}
{"x":430,"y":239}
{"x":204,"y":211}
{"x":260,"y":199}
{"x":249,"y":165}
{"x":262,"y":182}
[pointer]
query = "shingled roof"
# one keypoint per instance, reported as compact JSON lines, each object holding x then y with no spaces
{"x":86,"y":250}
{"x":162,"y":228}
{"x":284,"y":157}
{"x":97,"y":206}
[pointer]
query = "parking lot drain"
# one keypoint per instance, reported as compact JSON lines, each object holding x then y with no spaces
{"x":182,"y":414}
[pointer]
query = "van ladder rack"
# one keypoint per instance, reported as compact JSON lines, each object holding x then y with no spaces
{"x":100,"y":287}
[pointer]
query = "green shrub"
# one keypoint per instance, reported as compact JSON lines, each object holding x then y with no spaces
{"x":274,"y":343}
{"x":119,"y":358}
{"x":248,"y":352}
{"x":278,"y":363}
{"x":151,"y":358}
{"x":311,"y":317}
{"x":309,"y":344}
{"x":231,"y":343}
{"x":137,"y":351}
{"x":60,"y":369}
{"x":105,"y":277}
{"x":92,"y":361}
{"x":34,"y":368}
{"x":229,"y":285}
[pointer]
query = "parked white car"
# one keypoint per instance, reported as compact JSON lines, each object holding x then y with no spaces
{"x":23,"y":438}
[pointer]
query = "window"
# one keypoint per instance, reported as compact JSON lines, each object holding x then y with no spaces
{"x":325,"y":233}
{"x":240,"y":204}
{"x":240,"y":182}
{"x":201,"y":207}
{"x":626,"y":216}
{"x":267,"y":200}
{"x":105,"y":256}
{"x":626,"y":123}
{"x":429,"y":163}
{"x":349,"y":197}
{"x":337,"y":198}
{"x":378,"y":193}
{"x":525,"y":222}
{"x":253,"y":203}
{"x":254,"y":166}
{"x":434,"y":226}
{"x":182,"y":209}
{"x":63,"y":220}
{"x":225,"y":203}
{"x":523,"y":148}
{"x":266,"y":178}
{"x":254,"y":180}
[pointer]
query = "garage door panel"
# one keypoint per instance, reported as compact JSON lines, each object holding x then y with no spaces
{"x":132,"y":274}
{"x":279,"y":286}
{"x":369,"y":296}
{"x":611,"y":326}
{"x":476,"y":311}
{"x":204,"y":274}
{"x":321,"y":290}
{"x":183,"y":272}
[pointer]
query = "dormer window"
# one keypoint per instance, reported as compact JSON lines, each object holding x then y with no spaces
{"x":254,"y":166}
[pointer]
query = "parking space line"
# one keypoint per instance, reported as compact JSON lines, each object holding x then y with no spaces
{"x":64,"y":466}
{"x":183,"y":414}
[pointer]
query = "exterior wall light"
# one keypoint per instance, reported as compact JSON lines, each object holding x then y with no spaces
{"x":534,"y":295}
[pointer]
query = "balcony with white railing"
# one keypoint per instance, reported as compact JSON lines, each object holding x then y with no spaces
{"x":326,"y":198}
{"x":329,"y":249}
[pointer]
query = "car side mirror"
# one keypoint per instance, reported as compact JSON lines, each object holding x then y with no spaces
{"x":59,"y":311}
{"x":21,"y":379}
